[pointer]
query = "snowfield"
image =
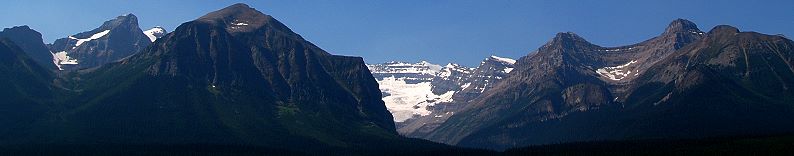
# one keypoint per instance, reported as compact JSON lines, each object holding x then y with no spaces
{"x":93,"y":37}
{"x":61,"y":58}
{"x":408,"y":87}
{"x":151,"y":33}
{"x":406,"y":100}
{"x":616,"y":73}
{"x":506,"y":60}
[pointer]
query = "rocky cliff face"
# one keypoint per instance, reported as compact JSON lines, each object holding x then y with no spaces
{"x":572,"y":90}
{"x":114,"y":40}
{"x":31,"y":43}
{"x":232,"y":77}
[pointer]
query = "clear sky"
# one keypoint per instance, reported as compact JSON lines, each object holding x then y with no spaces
{"x":440,"y":31}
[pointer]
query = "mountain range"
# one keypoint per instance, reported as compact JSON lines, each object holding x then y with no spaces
{"x":112,"y":41}
{"x":237,"y":80}
{"x":233,"y":77}
{"x":682,"y":84}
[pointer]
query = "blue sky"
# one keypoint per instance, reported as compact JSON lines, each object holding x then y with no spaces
{"x":440,"y":31}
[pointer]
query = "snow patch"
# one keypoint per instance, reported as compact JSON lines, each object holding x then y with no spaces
{"x":616,"y":73}
{"x":696,"y":32}
{"x":508,"y":70}
{"x":505,"y":60}
{"x":62,"y":58}
{"x":618,"y":49}
{"x":151,"y":33}
{"x":93,"y":37}
{"x":464,"y":86}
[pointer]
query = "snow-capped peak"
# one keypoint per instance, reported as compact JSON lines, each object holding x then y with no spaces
{"x":154,"y":33}
{"x":407,"y":87}
{"x":394,"y":67}
{"x":451,"y":68}
{"x":503,"y":59}
{"x":411,"y":90}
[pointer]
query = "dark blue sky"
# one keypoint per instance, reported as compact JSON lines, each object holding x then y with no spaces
{"x":440,"y":31}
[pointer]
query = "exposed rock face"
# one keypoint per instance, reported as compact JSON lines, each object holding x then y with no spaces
{"x":114,"y":40}
{"x":572,"y":90}
{"x":217,"y":82}
{"x":31,"y":43}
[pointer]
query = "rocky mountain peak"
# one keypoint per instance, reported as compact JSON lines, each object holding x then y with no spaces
{"x":723,"y":29}
{"x":127,"y":20}
{"x":681,"y":26}
{"x":23,"y":31}
{"x":17,"y":28}
{"x":31,"y":43}
{"x":240,"y":17}
{"x":567,"y":39}
{"x":114,"y":40}
{"x":238,"y":10}
{"x":240,"y":6}
{"x":682,"y":32}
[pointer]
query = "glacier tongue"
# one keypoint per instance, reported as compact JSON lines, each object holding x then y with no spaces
{"x":406,"y":100}
{"x":413,"y":90}
{"x":407,"y":87}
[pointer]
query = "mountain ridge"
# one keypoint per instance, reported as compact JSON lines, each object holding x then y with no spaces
{"x":114,"y":40}
{"x":206,"y":84}
{"x":240,"y":79}
{"x":570,"y":81}
{"x":31,"y":42}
